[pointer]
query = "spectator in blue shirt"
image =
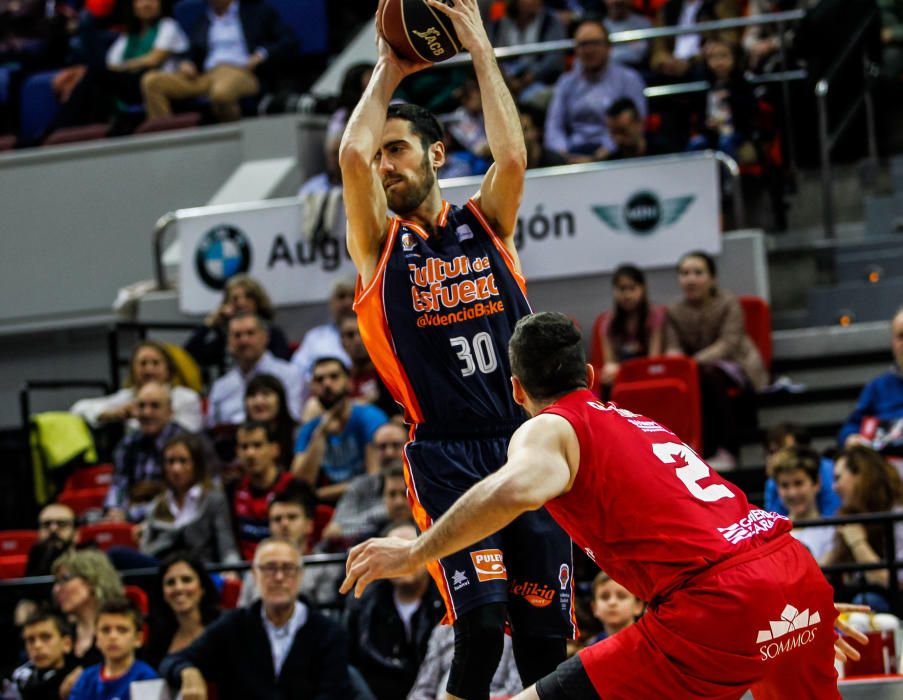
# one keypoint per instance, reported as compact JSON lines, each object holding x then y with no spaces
{"x":882,"y":398}
{"x":335,"y":447}
{"x":791,"y":435}
{"x":575,"y":125}
{"x":120,"y":634}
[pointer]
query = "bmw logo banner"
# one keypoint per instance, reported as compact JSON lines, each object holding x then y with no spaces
{"x":578,"y":220}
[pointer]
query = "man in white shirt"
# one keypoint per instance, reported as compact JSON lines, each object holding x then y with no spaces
{"x":247,"y":342}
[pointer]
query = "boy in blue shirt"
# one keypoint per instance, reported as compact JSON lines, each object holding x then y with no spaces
{"x":120,"y":633}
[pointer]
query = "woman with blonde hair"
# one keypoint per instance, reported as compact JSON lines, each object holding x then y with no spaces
{"x":150,"y":362}
{"x":207,"y":345}
{"x":83,"y":581}
{"x":867,"y":483}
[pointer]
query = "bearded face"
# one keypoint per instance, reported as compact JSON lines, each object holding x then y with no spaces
{"x":406,"y":191}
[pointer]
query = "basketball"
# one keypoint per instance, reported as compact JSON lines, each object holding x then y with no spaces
{"x":416,"y":31}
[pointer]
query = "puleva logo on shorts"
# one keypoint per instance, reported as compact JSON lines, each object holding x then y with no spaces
{"x":489,"y":564}
{"x":222,"y":252}
{"x":792,"y":631}
{"x":644,"y":212}
{"x":537,"y":595}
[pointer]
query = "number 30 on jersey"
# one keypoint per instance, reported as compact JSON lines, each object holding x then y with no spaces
{"x":478,"y":354}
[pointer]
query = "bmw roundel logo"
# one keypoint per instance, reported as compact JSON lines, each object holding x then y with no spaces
{"x":222,"y":252}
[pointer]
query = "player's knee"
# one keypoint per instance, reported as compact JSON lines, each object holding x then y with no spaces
{"x":479,"y":640}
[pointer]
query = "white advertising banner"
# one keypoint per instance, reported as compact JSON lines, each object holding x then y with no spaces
{"x":574,"y":220}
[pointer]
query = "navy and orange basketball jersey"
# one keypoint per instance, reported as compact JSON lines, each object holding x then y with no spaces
{"x":436,"y":319}
{"x":644,"y":506}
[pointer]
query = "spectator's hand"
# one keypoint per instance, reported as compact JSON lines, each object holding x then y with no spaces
{"x":887,"y":35}
{"x":193,"y":685}
{"x":222,"y":314}
{"x":69,"y":682}
{"x":857,"y":439}
{"x":254,"y":60}
{"x":382,"y":557}
{"x":609,"y":372}
{"x":188,"y":69}
{"x":331,"y":423}
{"x":576,"y":158}
{"x":138,"y":533}
{"x":467,"y":21}
{"x":760,"y":49}
{"x":24,"y":610}
{"x":115,"y":515}
{"x":601,"y":153}
{"x":842,"y":649}
{"x":120,"y":413}
{"x":332,"y":531}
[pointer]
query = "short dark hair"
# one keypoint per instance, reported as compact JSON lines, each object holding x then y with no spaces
{"x":423,"y":123}
{"x":595,"y":19}
{"x":776,"y":436}
{"x":124,"y":607}
{"x":797,"y":458}
{"x":393,"y":470}
{"x":297,"y":493}
{"x":621,"y":105}
{"x":329,"y":358}
{"x":542,"y":337}
{"x":250,"y":426}
{"x":261,"y":321}
{"x":63,"y":626}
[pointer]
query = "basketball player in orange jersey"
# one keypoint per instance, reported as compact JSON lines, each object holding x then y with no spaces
{"x":439,"y":293}
{"x":735,"y":602}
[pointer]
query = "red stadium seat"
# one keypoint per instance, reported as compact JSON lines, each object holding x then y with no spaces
{"x":100,"y":475}
{"x":106,"y":535}
{"x":13,"y":566}
{"x":17,"y":542}
{"x":230,"y":593}
{"x":757,"y":320}
{"x":665,"y":389}
{"x":137,"y":595}
{"x":83,"y":500}
{"x":77,"y":134}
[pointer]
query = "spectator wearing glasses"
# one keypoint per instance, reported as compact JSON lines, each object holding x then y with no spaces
{"x":56,"y":536}
{"x":278,"y":647}
{"x":575,"y":124}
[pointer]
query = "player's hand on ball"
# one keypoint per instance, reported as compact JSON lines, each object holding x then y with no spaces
{"x":375,"y":559}
{"x":466,"y":19}
{"x":388,"y":55}
{"x":843,"y":651}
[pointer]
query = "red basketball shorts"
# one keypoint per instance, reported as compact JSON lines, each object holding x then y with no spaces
{"x":762,"y":621}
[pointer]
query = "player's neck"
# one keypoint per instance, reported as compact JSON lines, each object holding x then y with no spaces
{"x":427,"y":213}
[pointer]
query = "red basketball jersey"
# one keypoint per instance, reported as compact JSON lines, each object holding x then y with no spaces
{"x":645,"y":507}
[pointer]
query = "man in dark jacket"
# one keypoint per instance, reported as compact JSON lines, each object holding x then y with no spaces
{"x":235,"y":45}
{"x":276,"y":649}
{"x":390,"y":625}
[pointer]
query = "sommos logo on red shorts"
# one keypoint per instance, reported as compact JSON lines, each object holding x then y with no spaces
{"x":489,"y":564}
{"x":537,"y":595}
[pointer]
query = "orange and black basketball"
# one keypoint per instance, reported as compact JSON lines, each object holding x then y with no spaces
{"x":416,"y":31}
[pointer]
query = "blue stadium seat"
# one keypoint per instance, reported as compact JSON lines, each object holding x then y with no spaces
{"x":307,"y":20}
{"x":38,"y":106}
{"x":188,"y":13}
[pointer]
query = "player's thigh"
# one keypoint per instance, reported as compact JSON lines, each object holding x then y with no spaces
{"x":540,"y":567}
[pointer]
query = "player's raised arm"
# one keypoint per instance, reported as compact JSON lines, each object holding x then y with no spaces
{"x":542,"y":462}
{"x":365,"y":198}
{"x":503,"y":187}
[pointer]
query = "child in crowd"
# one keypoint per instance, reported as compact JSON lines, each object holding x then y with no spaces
{"x":120,"y":633}
{"x":633,"y":328}
{"x":613,"y":605}
{"x":796,"y":472}
{"x":793,"y":435}
{"x":48,"y":643}
{"x":730,"y":106}
{"x":468,"y":128}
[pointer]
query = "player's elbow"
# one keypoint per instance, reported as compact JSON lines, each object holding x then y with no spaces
{"x":512,"y":160}
{"x":353,"y":157}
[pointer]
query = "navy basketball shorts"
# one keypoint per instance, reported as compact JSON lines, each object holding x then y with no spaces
{"x":528,"y":565}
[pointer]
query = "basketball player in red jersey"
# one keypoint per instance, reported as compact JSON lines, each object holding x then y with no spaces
{"x":736,"y":603}
{"x":439,"y":293}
